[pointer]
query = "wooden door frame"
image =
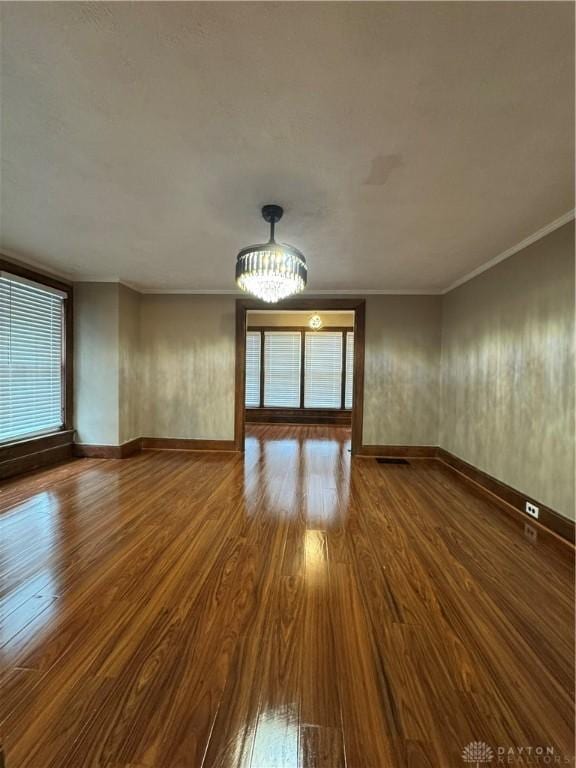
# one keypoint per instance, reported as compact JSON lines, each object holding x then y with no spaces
{"x":358,"y":306}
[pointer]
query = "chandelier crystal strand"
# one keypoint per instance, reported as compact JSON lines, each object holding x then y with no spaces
{"x":271,"y":271}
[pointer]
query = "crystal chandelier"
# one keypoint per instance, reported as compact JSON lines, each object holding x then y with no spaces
{"x":271,"y":271}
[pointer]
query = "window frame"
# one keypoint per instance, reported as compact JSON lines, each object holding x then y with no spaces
{"x":260,"y":372}
{"x":303,"y":329}
{"x":20,"y":270}
{"x":345,"y":368}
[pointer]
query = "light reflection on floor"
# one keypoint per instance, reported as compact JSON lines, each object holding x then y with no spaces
{"x":292,"y":477}
{"x":30,"y":529}
{"x":298,"y":476}
{"x":276,"y":739}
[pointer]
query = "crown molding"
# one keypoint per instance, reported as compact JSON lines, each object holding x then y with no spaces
{"x":533,"y":238}
{"x":97,"y":279}
{"x":33,"y":264}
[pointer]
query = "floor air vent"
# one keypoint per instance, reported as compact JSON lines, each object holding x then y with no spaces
{"x":392,"y":461}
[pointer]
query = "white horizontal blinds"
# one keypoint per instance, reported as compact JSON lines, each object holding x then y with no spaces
{"x":323,"y":370}
{"x":282,"y":369}
{"x":31,"y":358}
{"x":253,"y":342}
{"x":349,"y":369}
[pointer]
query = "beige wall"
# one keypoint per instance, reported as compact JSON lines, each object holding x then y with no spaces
{"x":96,"y":369}
{"x":401,"y":374}
{"x":129,"y":402}
{"x":106,"y":363}
{"x":188,"y":351}
{"x":508,"y":371}
{"x":188,"y":367}
{"x":171,"y":363}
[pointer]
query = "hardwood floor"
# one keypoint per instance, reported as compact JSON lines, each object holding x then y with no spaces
{"x":287,"y":608}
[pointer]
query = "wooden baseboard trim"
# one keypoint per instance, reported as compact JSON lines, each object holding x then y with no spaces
{"x":123,"y":451}
{"x":186,"y":444}
{"x":398,"y":451}
{"x":35,"y":453}
{"x":512,"y":498}
{"x":131,"y":447}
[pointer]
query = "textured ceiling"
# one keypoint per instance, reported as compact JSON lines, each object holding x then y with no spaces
{"x":408,"y":142}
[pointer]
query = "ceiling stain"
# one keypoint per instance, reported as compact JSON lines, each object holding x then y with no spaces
{"x":382,"y":167}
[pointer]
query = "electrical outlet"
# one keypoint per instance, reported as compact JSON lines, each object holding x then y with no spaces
{"x":530,"y":532}
{"x":532,"y":510}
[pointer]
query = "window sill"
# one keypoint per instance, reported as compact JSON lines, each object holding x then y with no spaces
{"x":28,"y":445}
{"x":334,"y":416}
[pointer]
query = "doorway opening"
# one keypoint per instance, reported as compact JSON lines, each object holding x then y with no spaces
{"x":300,"y":363}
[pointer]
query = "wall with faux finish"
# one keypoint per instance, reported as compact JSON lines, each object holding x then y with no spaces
{"x":508,"y":371}
{"x":96,"y":369}
{"x":188,"y":355}
{"x":401,"y":373}
{"x":129,"y":364}
{"x":188,"y":367}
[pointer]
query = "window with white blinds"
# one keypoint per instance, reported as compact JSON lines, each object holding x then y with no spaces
{"x":253,"y":356}
{"x":282,"y":352}
{"x":328,"y":368}
{"x":31,"y":358}
{"x":348,"y":386}
{"x":323,"y":370}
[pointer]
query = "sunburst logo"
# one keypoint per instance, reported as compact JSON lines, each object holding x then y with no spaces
{"x":477,"y":753}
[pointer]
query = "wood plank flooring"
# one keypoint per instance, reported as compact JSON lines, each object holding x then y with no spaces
{"x":286,"y":608}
